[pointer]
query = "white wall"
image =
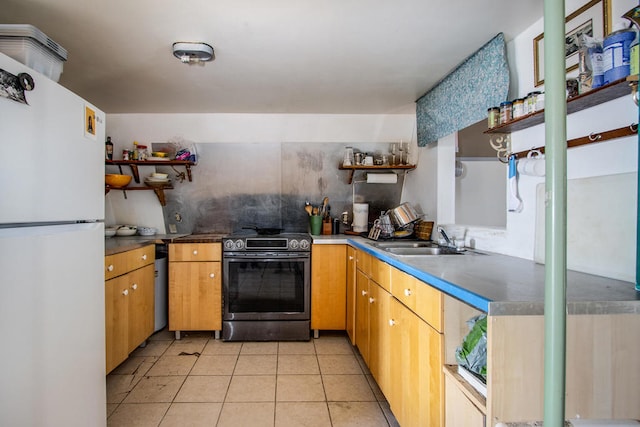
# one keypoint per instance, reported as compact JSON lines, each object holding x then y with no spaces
{"x":610,"y":157}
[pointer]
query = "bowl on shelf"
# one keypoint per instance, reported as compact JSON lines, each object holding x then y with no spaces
{"x":126,"y":230}
{"x":117,"y":181}
{"x":159,"y":154}
{"x":157,"y":183}
{"x":159,"y":176}
{"x":147,"y":231}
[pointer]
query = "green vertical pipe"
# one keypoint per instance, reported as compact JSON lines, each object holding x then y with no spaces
{"x":555,"y":294}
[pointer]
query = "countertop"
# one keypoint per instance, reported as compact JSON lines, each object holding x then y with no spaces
{"x":503,"y":285}
{"x":117,"y":244}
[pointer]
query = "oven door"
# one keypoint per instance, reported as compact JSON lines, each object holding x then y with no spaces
{"x":266,"y":286}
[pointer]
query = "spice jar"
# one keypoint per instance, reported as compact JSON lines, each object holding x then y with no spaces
{"x":506,"y":112}
{"x":518,"y":108}
{"x":142,"y":152}
{"x":493,"y":117}
{"x":532,"y":102}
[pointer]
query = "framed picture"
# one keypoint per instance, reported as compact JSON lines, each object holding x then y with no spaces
{"x":89,"y":122}
{"x":591,"y":19}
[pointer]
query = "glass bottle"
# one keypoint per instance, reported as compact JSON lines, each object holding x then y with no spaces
{"x":109,"y":149}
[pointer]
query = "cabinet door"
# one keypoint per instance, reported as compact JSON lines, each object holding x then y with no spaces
{"x":459,"y":409}
{"x":116,"y":297}
{"x":362,"y":315}
{"x":379,"y":335}
{"x":141,"y":305}
{"x":416,"y":366}
{"x":328,"y":287}
{"x":195,"y":296}
{"x":351,"y":294}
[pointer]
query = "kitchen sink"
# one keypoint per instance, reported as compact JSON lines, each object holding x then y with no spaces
{"x":423,"y":251}
{"x":416,"y":248}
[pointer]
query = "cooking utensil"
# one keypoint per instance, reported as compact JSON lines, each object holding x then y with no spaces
{"x":404,"y":214}
{"x":264,"y":231}
{"x":315,"y":211}
{"x":309,"y":209}
{"x":325,"y":202}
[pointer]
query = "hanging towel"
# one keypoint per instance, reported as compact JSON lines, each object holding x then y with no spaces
{"x":514,"y":203}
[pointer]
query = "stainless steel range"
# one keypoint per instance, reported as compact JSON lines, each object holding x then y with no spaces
{"x":266,"y":287}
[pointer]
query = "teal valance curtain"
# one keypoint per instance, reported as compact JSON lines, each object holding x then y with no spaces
{"x":463,"y":97}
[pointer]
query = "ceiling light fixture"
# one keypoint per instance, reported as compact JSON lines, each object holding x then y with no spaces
{"x":193,"y":52}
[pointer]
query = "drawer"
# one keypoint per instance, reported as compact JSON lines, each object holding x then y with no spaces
{"x":118,"y":264}
{"x":363,"y":262}
{"x":424,"y":300}
{"x":380,"y":273}
{"x":195,"y":252}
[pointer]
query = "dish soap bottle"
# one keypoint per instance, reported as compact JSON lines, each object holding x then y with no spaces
{"x":109,"y":148}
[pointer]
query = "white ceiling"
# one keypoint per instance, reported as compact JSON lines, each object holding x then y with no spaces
{"x":272,"y":56}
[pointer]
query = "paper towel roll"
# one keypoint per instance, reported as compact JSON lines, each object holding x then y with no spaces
{"x":382,"y":178}
{"x":360,"y":217}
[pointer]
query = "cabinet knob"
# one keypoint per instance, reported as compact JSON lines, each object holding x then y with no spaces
{"x":195,"y":252}
{"x":392,"y":322}
{"x":212,"y":275}
{"x":144,"y":257}
{"x":350,"y":258}
{"x":371,"y":300}
{"x":134,"y":286}
{"x":407,"y":292}
{"x":110,"y":267}
{"x":364,"y":293}
{"x":125,"y":292}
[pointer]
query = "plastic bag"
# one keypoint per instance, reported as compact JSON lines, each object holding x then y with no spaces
{"x":472,"y":354}
{"x":590,"y":65}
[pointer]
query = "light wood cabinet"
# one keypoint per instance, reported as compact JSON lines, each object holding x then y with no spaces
{"x":362,"y":315}
{"x":328,"y":287}
{"x":351,"y":294}
{"x":416,"y":396}
{"x":129,"y":302}
{"x":195,"y":287}
{"x":461,"y":399}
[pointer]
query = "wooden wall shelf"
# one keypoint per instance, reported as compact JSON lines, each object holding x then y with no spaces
{"x":353,"y":169}
{"x":135,"y":163}
{"x":590,"y":99}
{"x":158,"y":190}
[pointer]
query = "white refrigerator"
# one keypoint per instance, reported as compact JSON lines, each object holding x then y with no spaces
{"x":52,"y":322}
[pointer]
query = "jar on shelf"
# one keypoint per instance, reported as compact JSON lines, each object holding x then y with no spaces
{"x":142,"y":152}
{"x":531,"y":100}
{"x":493,"y":117}
{"x":506,"y":112}
{"x":518,"y":108}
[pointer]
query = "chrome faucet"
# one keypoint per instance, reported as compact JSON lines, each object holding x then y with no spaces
{"x":444,"y":236}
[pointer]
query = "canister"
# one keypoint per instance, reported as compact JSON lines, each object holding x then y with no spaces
{"x":518,"y":108}
{"x":506,"y":112}
{"x":493,"y":117}
{"x":616,"y":58}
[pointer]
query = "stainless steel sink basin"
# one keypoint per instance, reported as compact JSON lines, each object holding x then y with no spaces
{"x":423,"y":251}
{"x":401,"y":244}
{"x":416,"y":248}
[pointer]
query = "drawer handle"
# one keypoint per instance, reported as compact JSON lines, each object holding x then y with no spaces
{"x":371,"y":300}
{"x":364,"y":293}
{"x":134,"y":286}
{"x":195,"y":252}
{"x":144,"y":257}
{"x":407,"y":292}
{"x":392,"y":322}
{"x":212,"y":275}
{"x":125,"y":292}
{"x":110,"y":268}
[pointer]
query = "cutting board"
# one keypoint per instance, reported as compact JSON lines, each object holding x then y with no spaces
{"x":601,"y":225}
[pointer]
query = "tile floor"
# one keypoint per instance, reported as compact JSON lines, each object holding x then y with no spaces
{"x":200,"y":381}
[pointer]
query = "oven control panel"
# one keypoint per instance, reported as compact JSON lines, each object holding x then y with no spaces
{"x":279,"y":243}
